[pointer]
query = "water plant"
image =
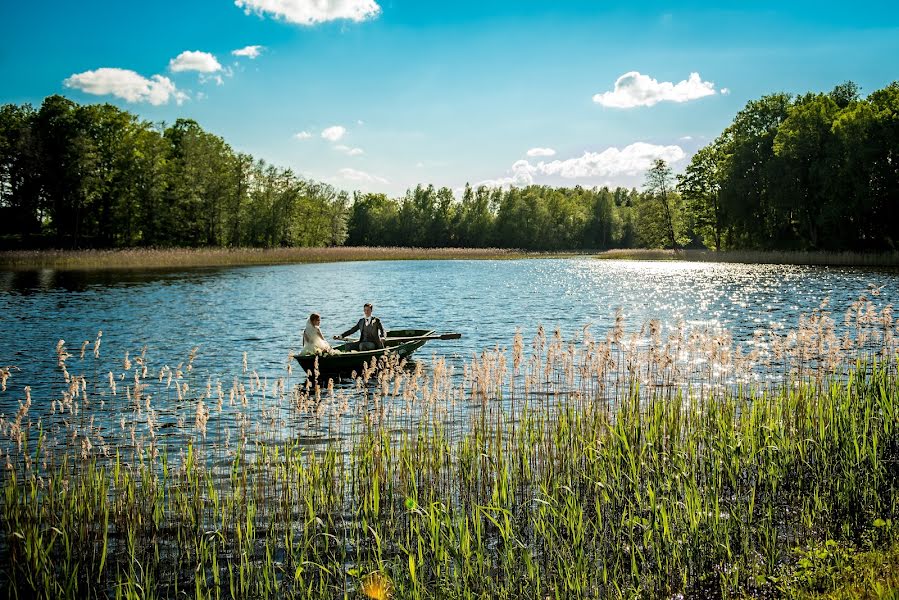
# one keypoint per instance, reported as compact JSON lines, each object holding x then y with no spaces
{"x":654,"y":463}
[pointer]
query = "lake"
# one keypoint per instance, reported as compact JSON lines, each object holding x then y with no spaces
{"x":262,"y":310}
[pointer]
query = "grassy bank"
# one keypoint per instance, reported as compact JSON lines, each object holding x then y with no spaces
{"x":177,"y":258}
{"x":625,"y":466}
{"x":848,"y":259}
{"x":226,"y":257}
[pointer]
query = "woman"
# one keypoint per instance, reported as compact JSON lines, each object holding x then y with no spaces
{"x":313,"y":340}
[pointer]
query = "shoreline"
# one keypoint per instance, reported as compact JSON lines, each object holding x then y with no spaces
{"x":185,"y":258}
{"x":768,"y":257}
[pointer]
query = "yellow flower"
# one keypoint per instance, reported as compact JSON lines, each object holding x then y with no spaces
{"x":376,"y":586}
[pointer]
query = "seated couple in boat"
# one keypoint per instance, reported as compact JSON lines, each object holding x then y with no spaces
{"x":369,"y":327}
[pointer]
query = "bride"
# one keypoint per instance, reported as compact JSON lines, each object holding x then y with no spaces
{"x":313,"y":340}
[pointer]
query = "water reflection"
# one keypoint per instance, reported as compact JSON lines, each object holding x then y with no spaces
{"x":260,"y":310}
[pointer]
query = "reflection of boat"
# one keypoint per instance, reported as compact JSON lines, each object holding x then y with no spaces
{"x":399,"y":342}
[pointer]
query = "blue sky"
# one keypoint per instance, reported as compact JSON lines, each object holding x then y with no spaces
{"x":427,"y":92}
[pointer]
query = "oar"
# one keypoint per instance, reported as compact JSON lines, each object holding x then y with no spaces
{"x":433,"y":336}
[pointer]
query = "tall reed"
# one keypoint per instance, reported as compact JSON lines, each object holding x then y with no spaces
{"x":648,"y":463}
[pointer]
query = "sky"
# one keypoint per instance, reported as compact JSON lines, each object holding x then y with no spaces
{"x":381,"y":95}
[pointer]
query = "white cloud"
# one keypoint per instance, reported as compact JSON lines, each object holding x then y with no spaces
{"x":541,"y":152}
{"x":217,"y":79}
{"x":522,"y":174}
{"x":631,"y":160}
{"x":687,"y":138}
{"x":250,"y":52}
{"x":310,"y":12}
{"x":360,"y":122}
{"x":333,"y":133}
{"x":303,"y":135}
{"x":354,"y":175}
{"x":126,"y":84}
{"x":725,"y":91}
{"x":194,"y":60}
{"x":349,"y":151}
{"x":635,"y":89}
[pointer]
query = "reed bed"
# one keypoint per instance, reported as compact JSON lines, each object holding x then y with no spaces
{"x":137,"y":258}
{"x":658,"y":462}
{"x":821,"y":258}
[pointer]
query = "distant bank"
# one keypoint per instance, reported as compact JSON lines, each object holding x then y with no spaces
{"x":162,"y":258}
{"x":767,"y":257}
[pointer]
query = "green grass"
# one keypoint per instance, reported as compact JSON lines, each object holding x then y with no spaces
{"x":580,"y":469}
{"x":832,"y":571}
{"x":140,"y":258}
{"x":858,"y":259}
{"x":168,"y":258}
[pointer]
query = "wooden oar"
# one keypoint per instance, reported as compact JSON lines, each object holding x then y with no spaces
{"x":433,"y":336}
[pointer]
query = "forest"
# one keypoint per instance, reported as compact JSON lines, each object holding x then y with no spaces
{"x":818,"y":171}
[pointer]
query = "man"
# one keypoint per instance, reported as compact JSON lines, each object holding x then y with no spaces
{"x":371,"y":332}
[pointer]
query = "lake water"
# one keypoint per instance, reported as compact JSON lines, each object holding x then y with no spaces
{"x":261,"y":311}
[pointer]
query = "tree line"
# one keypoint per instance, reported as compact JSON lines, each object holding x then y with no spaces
{"x":809,"y":172}
{"x":815,"y":171}
{"x":97,"y":176}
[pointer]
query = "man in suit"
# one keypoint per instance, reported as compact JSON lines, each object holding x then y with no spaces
{"x":371,"y":331}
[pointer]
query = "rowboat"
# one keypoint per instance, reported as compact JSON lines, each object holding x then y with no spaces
{"x":397,"y":342}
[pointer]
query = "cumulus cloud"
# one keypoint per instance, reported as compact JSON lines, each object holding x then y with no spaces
{"x":311,"y":12}
{"x":635,"y":89}
{"x":360,"y":176}
{"x":522,"y":174}
{"x":194,"y":60}
{"x":127,"y":85}
{"x":630,"y":160}
{"x":541,"y":152}
{"x":333,"y":133}
{"x":349,"y":151}
{"x":725,"y":91}
{"x":303,"y":135}
{"x":250,"y":52}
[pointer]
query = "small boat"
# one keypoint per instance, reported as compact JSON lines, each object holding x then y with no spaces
{"x":399,"y":342}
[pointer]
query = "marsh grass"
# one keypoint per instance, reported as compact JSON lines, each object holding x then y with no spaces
{"x":844,"y":259}
{"x":178,"y":258}
{"x":650,"y":463}
{"x":137,"y":258}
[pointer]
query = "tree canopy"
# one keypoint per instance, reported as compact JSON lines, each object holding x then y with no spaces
{"x":815,"y":171}
{"x":97,"y":176}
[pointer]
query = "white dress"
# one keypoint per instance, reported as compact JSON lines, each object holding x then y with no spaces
{"x":313,"y":340}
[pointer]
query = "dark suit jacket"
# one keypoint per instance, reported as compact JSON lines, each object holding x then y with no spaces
{"x":373,"y":333}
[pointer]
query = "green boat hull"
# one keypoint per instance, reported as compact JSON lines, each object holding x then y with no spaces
{"x":354,"y":360}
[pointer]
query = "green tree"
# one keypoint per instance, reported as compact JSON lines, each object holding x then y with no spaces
{"x":20,"y":185}
{"x":700,"y":189}
{"x":749,"y":180}
{"x":805,"y":147}
{"x":604,"y":224}
{"x":475,"y":218}
{"x":660,"y":185}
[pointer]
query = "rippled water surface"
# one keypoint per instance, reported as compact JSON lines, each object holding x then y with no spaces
{"x":261,"y":310}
